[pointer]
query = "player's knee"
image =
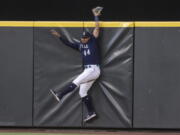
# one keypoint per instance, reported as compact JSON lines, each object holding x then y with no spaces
{"x":82,"y":93}
{"x":97,"y":74}
{"x":76,"y":83}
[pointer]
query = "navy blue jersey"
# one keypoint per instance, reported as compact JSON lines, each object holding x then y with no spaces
{"x":89,"y":51}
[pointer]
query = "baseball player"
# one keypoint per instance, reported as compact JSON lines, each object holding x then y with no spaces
{"x":91,"y":68}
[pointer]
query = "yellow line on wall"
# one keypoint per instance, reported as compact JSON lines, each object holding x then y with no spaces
{"x":157,"y":24}
{"x":86,"y":24}
{"x":62,"y":24}
{"x":16,"y":23}
{"x":57,"y":24}
{"x":110,"y":24}
{"x":82,"y":24}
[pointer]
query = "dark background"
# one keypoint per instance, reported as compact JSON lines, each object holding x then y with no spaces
{"x":74,"y":10}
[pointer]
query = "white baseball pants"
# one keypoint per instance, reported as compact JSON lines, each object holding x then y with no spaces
{"x":86,"y":79}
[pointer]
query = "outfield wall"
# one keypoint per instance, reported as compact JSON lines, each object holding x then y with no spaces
{"x":156,"y":75}
{"x":138,"y":87}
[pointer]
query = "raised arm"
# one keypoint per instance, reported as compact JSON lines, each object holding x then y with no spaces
{"x":65,"y":41}
{"x":96,"y":19}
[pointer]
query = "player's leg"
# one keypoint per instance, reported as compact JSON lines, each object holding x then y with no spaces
{"x":86,"y":99}
{"x":73,"y":85}
{"x":87,"y":75}
{"x":60,"y":94}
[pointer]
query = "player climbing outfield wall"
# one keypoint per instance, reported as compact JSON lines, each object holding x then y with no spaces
{"x":30,"y":53}
{"x":56,"y":65}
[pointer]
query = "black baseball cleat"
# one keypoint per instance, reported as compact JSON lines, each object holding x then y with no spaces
{"x":90,"y":117}
{"x":55,"y":95}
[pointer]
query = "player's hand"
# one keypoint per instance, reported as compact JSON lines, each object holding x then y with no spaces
{"x":96,"y":11}
{"x":55,"y":33}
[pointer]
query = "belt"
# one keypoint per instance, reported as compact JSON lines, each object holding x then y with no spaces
{"x":90,"y":66}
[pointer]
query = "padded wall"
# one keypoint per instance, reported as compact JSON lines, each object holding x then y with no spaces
{"x":56,"y":65}
{"x":16,"y":75}
{"x":112,"y":93}
{"x":157,"y":77}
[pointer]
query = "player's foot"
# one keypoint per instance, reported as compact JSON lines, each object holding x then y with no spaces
{"x":55,"y":95}
{"x":90,"y":117}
